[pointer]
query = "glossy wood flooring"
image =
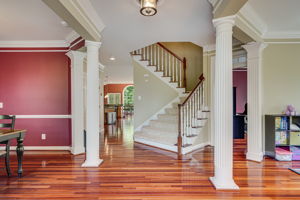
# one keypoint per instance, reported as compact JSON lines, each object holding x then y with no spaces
{"x":134,"y":172}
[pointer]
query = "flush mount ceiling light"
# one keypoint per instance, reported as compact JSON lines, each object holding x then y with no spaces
{"x":148,"y":7}
{"x":112,"y":58}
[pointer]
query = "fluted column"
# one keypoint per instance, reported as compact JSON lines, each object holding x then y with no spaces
{"x":77,"y":101}
{"x":223,"y":112}
{"x":102,"y":75}
{"x":254,"y":108}
{"x":92,"y":106}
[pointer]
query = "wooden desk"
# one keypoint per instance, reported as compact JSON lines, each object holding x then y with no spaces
{"x":19,"y":135}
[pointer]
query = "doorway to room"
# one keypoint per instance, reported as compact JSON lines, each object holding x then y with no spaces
{"x":240,"y":108}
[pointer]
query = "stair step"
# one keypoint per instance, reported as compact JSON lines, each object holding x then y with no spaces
{"x":190,"y":136}
{"x":164,"y":125}
{"x":172,"y":111}
{"x":156,"y":138}
{"x":161,"y":132}
{"x":202,"y":118}
{"x":197,"y":126}
{"x":206,"y":111}
{"x":186,"y":145}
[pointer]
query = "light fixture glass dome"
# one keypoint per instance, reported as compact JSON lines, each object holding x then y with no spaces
{"x":148,"y":7}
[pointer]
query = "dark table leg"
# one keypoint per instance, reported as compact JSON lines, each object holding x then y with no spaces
{"x":20,"y":151}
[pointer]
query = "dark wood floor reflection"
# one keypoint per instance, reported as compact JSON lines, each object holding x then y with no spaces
{"x":134,"y":172}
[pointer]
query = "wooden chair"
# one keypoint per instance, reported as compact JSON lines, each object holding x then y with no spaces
{"x":7,"y":125}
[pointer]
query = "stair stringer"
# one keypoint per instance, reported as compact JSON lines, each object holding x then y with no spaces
{"x":152,"y":69}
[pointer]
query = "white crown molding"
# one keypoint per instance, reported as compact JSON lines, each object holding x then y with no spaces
{"x":282,"y":35}
{"x":34,"y":43}
{"x":88,"y":14}
{"x":101,"y":66}
{"x":249,"y":13}
{"x":215,"y":4}
{"x":72,"y":36}
{"x":251,"y":19}
{"x":209,"y":47}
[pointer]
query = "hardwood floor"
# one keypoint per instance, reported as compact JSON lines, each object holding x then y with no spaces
{"x":134,"y":172}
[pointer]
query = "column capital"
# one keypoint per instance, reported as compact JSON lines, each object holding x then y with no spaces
{"x":229,"y":20}
{"x":77,"y":58}
{"x":92,"y":43}
{"x":76,"y":54}
{"x":254,"y":49}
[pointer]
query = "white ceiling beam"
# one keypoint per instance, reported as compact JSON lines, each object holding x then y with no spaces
{"x":80,"y":15}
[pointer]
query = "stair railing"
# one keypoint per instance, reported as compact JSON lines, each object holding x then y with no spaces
{"x":165,"y":61}
{"x":188,"y":114}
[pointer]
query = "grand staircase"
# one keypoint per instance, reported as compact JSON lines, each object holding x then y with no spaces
{"x":180,"y":126}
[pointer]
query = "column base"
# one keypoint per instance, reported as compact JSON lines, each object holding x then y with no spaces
{"x":258,"y":157}
{"x":229,"y":185}
{"x":92,"y":163}
{"x":77,"y":151}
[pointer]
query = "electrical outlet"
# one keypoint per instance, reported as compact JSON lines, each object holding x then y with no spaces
{"x":1,"y":105}
{"x":43,"y":136}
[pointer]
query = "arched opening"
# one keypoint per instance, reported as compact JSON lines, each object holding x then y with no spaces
{"x":128,"y":100}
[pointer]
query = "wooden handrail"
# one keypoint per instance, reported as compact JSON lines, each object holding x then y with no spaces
{"x":201,"y":79}
{"x":169,"y":51}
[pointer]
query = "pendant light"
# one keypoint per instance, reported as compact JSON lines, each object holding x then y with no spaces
{"x":148,"y":7}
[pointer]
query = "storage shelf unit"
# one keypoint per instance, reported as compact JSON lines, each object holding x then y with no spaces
{"x":278,"y":133}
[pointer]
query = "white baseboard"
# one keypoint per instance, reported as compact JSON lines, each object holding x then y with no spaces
{"x":192,"y":148}
{"x":258,"y":157}
{"x":156,"y":144}
{"x":41,"y":148}
{"x":154,"y":116}
{"x":174,"y":149}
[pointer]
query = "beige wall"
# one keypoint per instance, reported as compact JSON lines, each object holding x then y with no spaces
{"x":281,"y":77}
{"x":154,"y":93}
{"x":194,"y":56}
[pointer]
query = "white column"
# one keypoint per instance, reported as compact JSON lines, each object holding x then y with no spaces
{"x":102,"y":75}
{"x":223,"y":114}
{"x":212,"y":105}
{"x":77,"y":101}
{"x":92,"y":107}
{"x":255,"y":117}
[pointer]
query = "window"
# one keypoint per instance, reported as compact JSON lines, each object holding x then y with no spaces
{"x":128,"y":96}
{"x":114,"y":98}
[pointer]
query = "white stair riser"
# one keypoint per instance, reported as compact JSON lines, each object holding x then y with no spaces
{"x":164,"y":126}
{"x":172,"y":111}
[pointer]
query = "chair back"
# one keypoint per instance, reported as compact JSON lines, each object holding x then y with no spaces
{"x":9,"y":121}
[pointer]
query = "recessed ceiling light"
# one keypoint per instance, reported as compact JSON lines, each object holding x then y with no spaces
{"x":64,"y":23}
{"x":112,"y":58}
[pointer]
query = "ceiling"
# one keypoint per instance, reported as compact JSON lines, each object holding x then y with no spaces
{"x":29,"y":20}
{"x":275,"y":18}
{"x":126,"y":30}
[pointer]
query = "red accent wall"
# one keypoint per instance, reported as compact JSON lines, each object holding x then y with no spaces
{"x":240,"y":82}
{"x":37,"y":83}
{"x":114,"y":88}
